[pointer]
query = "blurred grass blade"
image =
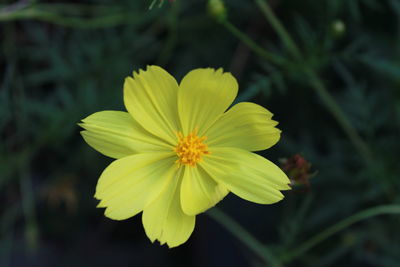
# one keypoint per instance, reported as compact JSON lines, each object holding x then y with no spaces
{"x":279,"y":28}
{"x":244,"y":236}
{"x":343,"y":224}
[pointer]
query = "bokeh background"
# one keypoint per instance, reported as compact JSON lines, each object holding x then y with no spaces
{"x":337,"y":100}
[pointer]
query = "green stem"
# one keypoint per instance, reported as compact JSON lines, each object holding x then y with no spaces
{"x":170,"y":44}
{"x":55,"y":14}
{"x":279,"y":28}
{"x":244,"y":236}
{"x":28,"y":207}
{"x":315,"y":240}
{"x":340,"y":117}
{"x":318,"y":86}
{"x":253,"y":45}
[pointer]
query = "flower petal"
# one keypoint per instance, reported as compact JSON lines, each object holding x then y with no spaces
{"x":246,"y":174}
{"x":199,"y":191}
{"x":151,"y":98}
{"x":127,"y":185}
{"x":245,"y":125}
{"x":204,"y":94}
{"x":116,"y":135}
{"x":164,"y":220}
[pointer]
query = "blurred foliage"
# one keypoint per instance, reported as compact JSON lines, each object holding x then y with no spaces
{"x":63,"y":60}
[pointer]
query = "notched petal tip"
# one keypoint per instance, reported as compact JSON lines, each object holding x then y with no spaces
{"x":220,"y":71}
{"x":273,"y":123}
{"x":101,"y":205}
{"x":148,"y":69}
{"x":287,"y":187}
{"x":97,"y":196}
{"x":154,"y":67}
{"x":170,"y":246}
{"x":128,"y":81}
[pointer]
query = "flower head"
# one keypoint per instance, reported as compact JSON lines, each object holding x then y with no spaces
{"x":179,"y":152}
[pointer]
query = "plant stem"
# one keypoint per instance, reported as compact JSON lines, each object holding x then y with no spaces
{"x":279,"y":28}
{"x":28,"y":207}
{"x":55,"y":14}
{"x":278,"y":60}
{"x":318,"y":86}
{"x":172,"y":21}
{"x":343,"y":224}
{"x":244,"y":236}
{"x":340,"y":117}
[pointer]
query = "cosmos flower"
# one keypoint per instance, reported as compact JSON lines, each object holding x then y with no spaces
{"x":178,"y":153}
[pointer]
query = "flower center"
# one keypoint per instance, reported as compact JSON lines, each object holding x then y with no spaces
{"x":190,"y":148}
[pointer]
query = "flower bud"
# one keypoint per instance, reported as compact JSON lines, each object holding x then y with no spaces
{"x":298,"y":169}
{"x":338,"y":28}
{"x":217,"y":10}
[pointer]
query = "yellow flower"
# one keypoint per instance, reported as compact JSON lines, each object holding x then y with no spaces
{"x":178,"y":153}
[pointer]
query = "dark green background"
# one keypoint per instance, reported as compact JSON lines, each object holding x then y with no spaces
{"x":62,"y":61}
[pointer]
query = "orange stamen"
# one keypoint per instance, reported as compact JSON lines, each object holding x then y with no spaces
{"x":191,"y":148}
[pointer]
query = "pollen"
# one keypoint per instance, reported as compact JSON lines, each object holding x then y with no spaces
{"x":191,"y":148}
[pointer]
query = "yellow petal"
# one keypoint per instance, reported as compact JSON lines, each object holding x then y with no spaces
{"x":115,"y":134}
{"x":151,"y":98}
{"x":127,"y":185}
{"x":204,"y":94}
{"x":245,"y":125}
{"x":246,"y":174}
{"x":164,"y":220}
{"x":199,"y":191}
